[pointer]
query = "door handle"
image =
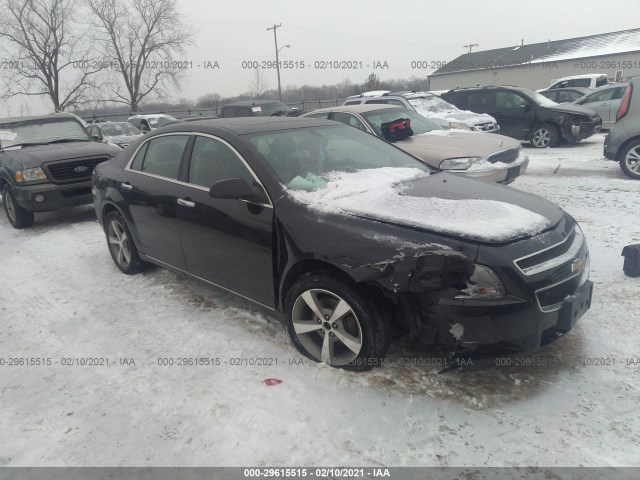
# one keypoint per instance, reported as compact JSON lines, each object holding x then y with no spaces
{"x":126,"y":186}
{"x":605,"y":104}
{"x":186,"y":203}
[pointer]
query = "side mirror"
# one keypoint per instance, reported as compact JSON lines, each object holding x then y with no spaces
{"x":97,"y":138}
{"x":232,"y":188}
{"x":525,"y":107}
{"x":145,"y":128}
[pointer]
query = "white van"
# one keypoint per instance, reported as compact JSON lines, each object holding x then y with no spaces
{"x":589,"y":80}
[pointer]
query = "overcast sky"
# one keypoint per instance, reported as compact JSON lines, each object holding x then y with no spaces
{"x":397,"y":33}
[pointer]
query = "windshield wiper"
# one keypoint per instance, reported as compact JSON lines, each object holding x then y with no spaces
{"x":32,"y":144}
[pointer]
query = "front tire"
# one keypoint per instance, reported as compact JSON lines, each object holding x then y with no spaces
{"x":545,"y":136}
{"x":329,"y":321}
{"x":18,"y":217}
{"x":121,"y":247}
{"x":630,"y":160}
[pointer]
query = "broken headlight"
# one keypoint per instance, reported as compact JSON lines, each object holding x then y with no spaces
{"x":461,"y":163}
{"x":484,"y":284}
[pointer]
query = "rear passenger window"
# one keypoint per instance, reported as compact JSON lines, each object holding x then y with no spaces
{"x":349,"y":119}
{"x":581,"y":82}
{"x":161,"y":156}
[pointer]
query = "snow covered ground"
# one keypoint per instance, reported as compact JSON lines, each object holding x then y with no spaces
{"x":62,"y":298}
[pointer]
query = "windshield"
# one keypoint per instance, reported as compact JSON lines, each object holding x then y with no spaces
{"x":42,"y":130}
{"x":419,"y":124}
{"x":432,"y":104}
{"x":539,"y":99}
{"x":271,"y":109}
{"x":119,"y":129}
{"x":302,"y":158}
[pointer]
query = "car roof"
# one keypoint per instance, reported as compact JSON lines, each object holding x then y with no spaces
{"x":38,"y":117}
{"x":250,"y":103}
{"x":246,"y":125}
{"x":150,"y":115}
{"x":359,"y":108}
{"x":489,"y":87}
{"x":584,"y":90}
{"x":584,"y":75}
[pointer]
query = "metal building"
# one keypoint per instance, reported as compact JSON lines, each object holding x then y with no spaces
{"x":536,"y":65}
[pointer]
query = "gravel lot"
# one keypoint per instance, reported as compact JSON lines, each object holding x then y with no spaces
{"x":62,"y":299}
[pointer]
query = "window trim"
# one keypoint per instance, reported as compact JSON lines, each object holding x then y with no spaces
{"x":192,"y":136}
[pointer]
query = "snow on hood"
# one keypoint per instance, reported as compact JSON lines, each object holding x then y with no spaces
{"x":463,"y":116}
{"x":378,"y":194}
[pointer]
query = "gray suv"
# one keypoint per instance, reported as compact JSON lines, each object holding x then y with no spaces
{"x":623,"y":142}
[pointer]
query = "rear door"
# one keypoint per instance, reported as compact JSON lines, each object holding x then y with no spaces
{"x":227,"y":242}
{"x":151,"y":195}
{"x":601,"y":102}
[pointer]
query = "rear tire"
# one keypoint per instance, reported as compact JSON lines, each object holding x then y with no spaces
{"x":329,"y":321}
{"x":630,"y":160}
{"x":18,"y":217}
{"x":121,"y":247}
{"x":545,"y":136}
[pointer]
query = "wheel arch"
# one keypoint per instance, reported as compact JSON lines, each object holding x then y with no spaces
{"x":310,"y":265}
{"x":624,"y":146}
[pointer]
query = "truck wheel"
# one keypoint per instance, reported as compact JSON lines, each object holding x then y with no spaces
{"x":545,"y":136}
{"x":18,"y":217}
{"x":630,"y":160}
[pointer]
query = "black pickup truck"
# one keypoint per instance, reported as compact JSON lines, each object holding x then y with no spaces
{"x":45,"y":164}
{"x":258,"y":108}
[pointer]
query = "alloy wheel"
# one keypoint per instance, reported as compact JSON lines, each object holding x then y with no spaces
{"x":119,"y":243}
{"x":632,"y":160}
{"x":327,"y":327}
{"x":541,"y":138}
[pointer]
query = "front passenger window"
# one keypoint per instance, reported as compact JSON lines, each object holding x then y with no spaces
{"x":212,"y":161}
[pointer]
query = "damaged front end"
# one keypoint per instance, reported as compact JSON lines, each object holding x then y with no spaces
{"x":576,"y":127}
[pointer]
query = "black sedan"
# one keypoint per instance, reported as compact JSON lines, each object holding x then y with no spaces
{"x":345,"y":237}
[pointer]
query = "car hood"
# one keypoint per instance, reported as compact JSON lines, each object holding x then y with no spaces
{"x":37,"y":155}
{"x":437,"y":145}
{"x":572,"y":109}
{"x":442,"y":203}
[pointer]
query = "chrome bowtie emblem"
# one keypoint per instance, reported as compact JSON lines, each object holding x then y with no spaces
{"x":576,"y":266}
{"x":80,"y":169}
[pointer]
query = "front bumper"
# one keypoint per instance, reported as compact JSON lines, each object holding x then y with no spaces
{"x":577,"y":131}
{"x":508,"y":328}
{"x":53,"y":196}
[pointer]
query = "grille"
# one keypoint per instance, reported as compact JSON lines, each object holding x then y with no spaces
{"x":505,"y":156}
{"x":549,"y":254}
{"x":65,"y":171}
{"x":551,"y":298}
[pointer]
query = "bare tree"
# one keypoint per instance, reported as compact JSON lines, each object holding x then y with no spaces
{"x":259,"y":84}
{"x":372,"y":82}
{"x":46,"y":52}
{"x":143,"y":39}
{"x":209,"y":100}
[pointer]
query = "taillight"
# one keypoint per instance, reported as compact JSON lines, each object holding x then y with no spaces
{"x":624,"y":105}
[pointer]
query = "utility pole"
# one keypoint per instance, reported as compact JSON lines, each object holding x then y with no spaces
{"x":470,"y":46}
{"x":275,"y":39}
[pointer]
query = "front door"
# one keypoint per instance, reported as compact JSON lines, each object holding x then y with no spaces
{"x":226,"y":241}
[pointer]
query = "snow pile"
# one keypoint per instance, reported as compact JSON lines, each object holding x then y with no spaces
{"x":376,"y":193}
